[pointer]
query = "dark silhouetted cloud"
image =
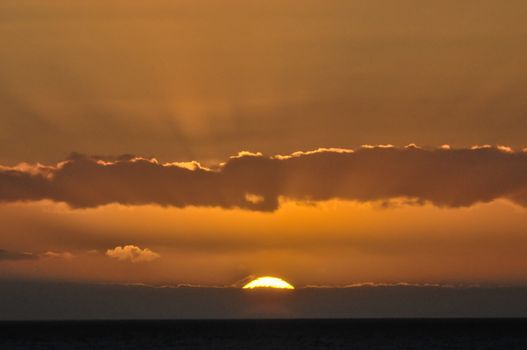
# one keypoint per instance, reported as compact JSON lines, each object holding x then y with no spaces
{"x":37,"y":300}
{"x":444,"y":177}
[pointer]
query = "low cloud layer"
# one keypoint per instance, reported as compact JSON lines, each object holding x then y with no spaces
{"x":444,"y":177}
{"x":132,"y":253}
{"x":37,"y":300}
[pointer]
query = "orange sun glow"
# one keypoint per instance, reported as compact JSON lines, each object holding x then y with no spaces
{"x":268,"y":282}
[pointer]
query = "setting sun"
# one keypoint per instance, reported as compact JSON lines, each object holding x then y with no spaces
{"x":268,"y":282}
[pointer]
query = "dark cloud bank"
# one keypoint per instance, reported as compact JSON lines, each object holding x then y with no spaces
{"x":443,"y":177}
{"x":53,"y":300}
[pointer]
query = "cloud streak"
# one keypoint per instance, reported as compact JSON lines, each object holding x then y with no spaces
{"x":9,"y":255}
{"x":444,"y":177}
{"x":58,"y":255}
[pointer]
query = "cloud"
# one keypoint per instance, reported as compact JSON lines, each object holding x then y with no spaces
{"x":58,"y":255}
{"x":7,"y":255}
{"x":387,"y":285}
{"x":444,"y":177}
{"x":132,"y":253}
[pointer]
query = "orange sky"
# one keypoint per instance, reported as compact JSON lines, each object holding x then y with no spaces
{"x":184,"y":80}
{"x":311,"y":242}
{"x":202,"y":80}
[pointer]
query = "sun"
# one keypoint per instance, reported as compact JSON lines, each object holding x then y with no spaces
{"x":268,"y":282}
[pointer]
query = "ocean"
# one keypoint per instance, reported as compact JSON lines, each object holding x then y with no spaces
{"x":255,"y":334}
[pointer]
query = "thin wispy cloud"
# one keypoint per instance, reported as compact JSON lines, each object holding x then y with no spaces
{"x":6,"y":255}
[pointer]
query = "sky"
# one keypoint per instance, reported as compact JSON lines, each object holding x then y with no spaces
{"x":202,"y":80}
{"x":205,"y":143}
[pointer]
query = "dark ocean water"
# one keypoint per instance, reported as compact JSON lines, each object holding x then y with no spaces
{"x":267,"y":334}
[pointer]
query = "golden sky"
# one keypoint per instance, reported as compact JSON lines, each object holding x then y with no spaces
{"x":203,"y":80}
{"x":105,"y":104}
